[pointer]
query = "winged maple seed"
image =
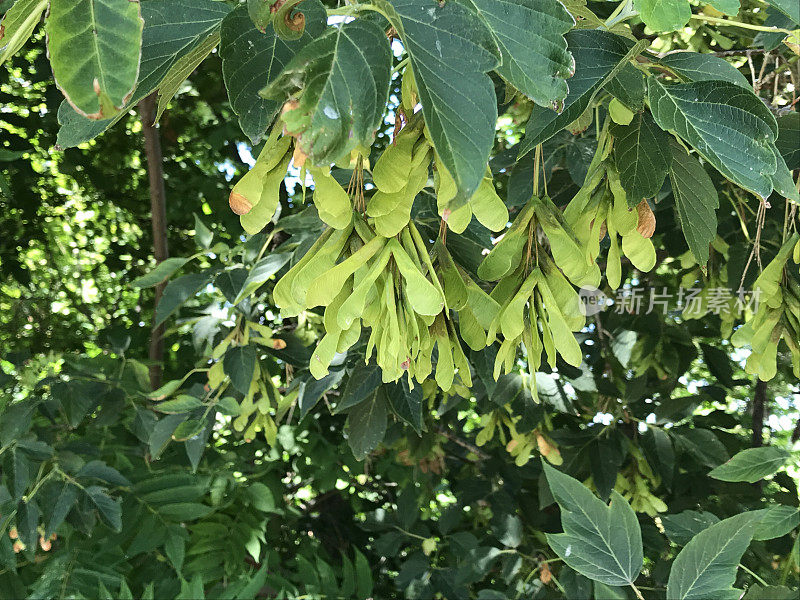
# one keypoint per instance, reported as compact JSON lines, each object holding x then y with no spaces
{"x":289,"y":105}
{"x":299,"y":157}
{"x":239,"y":204}
{"x":545,"y":576}
{"x":647,"y":220}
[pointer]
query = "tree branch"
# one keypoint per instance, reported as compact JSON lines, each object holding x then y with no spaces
{"x":759,"y":402}
{"x":158,"y":219}
{"x":466,"y":445}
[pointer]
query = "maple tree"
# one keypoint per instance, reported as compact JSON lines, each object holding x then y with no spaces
{"x":343,"y":328}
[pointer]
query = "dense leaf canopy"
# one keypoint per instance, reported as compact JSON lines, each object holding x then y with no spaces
{"x":338,"y":383}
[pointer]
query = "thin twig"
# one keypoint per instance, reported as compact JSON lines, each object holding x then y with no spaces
{"x":474,"y":449}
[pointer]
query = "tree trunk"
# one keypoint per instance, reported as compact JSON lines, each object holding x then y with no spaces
{"x":155,"y":173}
{"x":759,"y":402}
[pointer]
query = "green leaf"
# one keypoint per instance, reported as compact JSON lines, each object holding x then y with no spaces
{"x":788,"y":7}
{"x":100,"y":470}
{"x":658,"y":448}
{"x":788,"y":136}
{"x":641,"y":153}
{"x":729,"y":126}
{"x":28,"y":514}
{"x":110,"y":510}
{"x":240,"y":366}
{"x":175,"y":548}
{"x":629,"y":86}
{"x":228,"y":407}
{"x":251,"y":59}
{"x":5,"y":188}
{"x":601,"y":542}
{"x":362,"y":384}
{"x":344,"y":76}
{"x":664,"y":15}
{"x":363,"y":576}
{"x":172,"y":29}
{"x":94,"y":48}
{"x":704,"y":445}
{"x":706,"y":567}
{"x":169,"y":488}
{"x":162,"y":271}
{"x":162,"y":433}
{"x":609,"y":592}
{"x":696,"y":201}
{"x":192,"y":590}
{"x":179,"y":291}
{"x":312,"y":391}
{"x":783,"y":182}
{"x":202,"y":234}
{"x":729,"y":7}
{"x":406,"y":403}
{"x":102,"y":592}
{"x":64,"y":503}
{"x":366,"y":426}
{"x":770,"y":592}
{"x":751,"y":465}
{"x":76,"y":129}
{"x":605,"y":457}
{"x":182,"y":404}
{"x":262,"y":497}
{"x":451,"y":51}
{"x":508,"y":530}
{"x":182,"y":68}
{"x":165,"y":390}
{"x":148,"y":592}
{"x":16,"y":420}
{"x":530,"y":35}
{"x":778,"y":521}
{"x":230,"y":282}
{"x":261,"y":272}
{"x":18,"y":24}
{"x":254,"y":584}
{"x":21,"y":468}
{"x":599,"y":55}
{"x":693,"y":66}
{"x":185,"y":511}
{"x":682,"y":527}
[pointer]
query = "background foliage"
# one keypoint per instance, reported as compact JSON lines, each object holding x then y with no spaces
{"x":252,"y":478}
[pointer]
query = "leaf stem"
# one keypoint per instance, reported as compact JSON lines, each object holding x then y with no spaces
{"x":400,"y":65}
{"x":756,"y":577}
{"x":558,"y":585}
{"x":408,"y":533}
{"x":624,"y":11}
{"x":637,"y":592}
{"x":349,"y":10}
{"x":729,"y":23}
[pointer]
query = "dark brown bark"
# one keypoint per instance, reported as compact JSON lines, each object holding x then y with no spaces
{"x":155,"y":174}
{"x":759,"y":403}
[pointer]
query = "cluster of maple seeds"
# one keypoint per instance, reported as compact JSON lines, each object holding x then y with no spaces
{"x":19,"y":546}
{"x":372,"y":268}
{"x":777,"y":315}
